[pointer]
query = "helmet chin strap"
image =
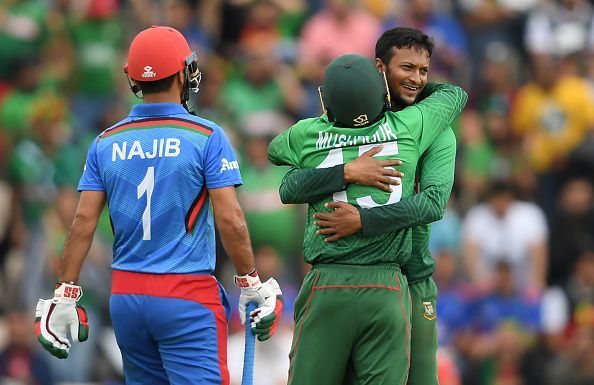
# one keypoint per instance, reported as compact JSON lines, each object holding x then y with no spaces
{"x":134,"y":88}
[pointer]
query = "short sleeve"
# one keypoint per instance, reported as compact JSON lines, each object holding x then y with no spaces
{"x":221,"y":168}
{"x":91,"y":177}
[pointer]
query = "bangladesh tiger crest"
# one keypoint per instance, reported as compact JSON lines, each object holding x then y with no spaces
{"x":429,"y":310}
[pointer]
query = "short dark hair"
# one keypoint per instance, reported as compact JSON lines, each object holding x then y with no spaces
{"x":401,"y":37}
{"x":500,"y":187}
{"x":157,"y":86}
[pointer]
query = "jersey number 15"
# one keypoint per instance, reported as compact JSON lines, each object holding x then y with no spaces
{"x":335,"y":157}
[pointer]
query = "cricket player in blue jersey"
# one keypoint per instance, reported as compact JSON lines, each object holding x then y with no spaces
{"x":160,"y":170}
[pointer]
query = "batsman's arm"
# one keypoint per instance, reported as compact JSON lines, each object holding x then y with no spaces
{"x":436,"y":180}
{"x":232,"y":227}
{"x":80,"y":236}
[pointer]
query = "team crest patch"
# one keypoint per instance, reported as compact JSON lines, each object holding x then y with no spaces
{"x":429,"y":311}
{"x":361,"y":120}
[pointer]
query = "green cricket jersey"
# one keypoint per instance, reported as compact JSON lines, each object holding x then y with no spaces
{"x":405,"y":135}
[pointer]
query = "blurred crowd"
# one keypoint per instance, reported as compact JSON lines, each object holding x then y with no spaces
{"x":515,"y":249}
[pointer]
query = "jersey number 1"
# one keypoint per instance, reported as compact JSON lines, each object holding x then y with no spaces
{"x":335,"y":157}
{"x":146,"y":186}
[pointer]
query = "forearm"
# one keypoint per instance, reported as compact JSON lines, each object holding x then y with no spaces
{"x":311,"y":185}
{"x":76,"y":248}
{"x":418,"y":209}
{"x":80,"y":236}
{"x":236,"y":241}
{"x":232,"y":228}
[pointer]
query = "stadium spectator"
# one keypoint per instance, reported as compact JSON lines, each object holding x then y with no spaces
{"x":576,"y":364}
{"x":487,"y":22}
{"x":475,"y":158}
{"x":580,"y":291}
{"x":97,"y":36}
{"x":18,"y":102}
{"x":541,"y":363}
{"x":450,"y":56}
{"x":505,"y":301}
{"x":560,"y":27}
{"x":455,"y":296}
{"x":40,"y":166}
{"x":179,"y":14}
{"x":23,"y":31}
{"x":340,"y":27}
{"x":261,"y":84}
{"x":270,"y":221}
{"x":572,"y":228}
{"x":20,"y":361}
{"x":551,"y":114}
{"x":445,"y":233}
{"x":501,"y":324}
{"x":505,"y":229}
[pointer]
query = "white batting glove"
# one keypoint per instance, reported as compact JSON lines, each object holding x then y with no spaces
{"x":55,"y":317}
{"x":269,"y":298}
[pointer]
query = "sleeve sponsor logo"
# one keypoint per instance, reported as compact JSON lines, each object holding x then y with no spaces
{"x":229,"y":165}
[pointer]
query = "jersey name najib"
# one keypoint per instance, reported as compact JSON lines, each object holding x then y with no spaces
{"x":156,"y":167}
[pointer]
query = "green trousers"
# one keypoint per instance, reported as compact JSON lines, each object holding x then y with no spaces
{"x":355,"y":320}
{"x":423,"y":360}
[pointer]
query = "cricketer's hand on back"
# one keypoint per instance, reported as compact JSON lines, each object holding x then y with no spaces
{"x":55,"y":317}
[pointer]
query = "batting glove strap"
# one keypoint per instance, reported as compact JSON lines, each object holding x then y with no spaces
{"x":248,"y":280}
{"x":67,"y":292}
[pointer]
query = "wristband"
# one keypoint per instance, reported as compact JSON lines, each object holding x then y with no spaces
{"x":248,"y":280}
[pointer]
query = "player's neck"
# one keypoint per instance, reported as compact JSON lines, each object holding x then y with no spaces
{"x":171,"y":96}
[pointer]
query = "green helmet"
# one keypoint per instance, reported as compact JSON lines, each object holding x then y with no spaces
{"x":354,"y":92}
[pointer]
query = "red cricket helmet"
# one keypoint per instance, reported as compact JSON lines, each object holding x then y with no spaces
{"x":156,"y":53}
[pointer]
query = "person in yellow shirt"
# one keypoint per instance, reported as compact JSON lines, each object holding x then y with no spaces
{"x":552,"y":115}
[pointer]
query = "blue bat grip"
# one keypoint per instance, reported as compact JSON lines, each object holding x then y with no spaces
{"x":247,"y":377}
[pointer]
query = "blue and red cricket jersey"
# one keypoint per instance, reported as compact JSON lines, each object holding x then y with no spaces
{"x":156,"y":167}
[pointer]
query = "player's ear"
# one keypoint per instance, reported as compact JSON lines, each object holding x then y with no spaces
{"x":379,"y":64}
{"x":181,"y":78}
